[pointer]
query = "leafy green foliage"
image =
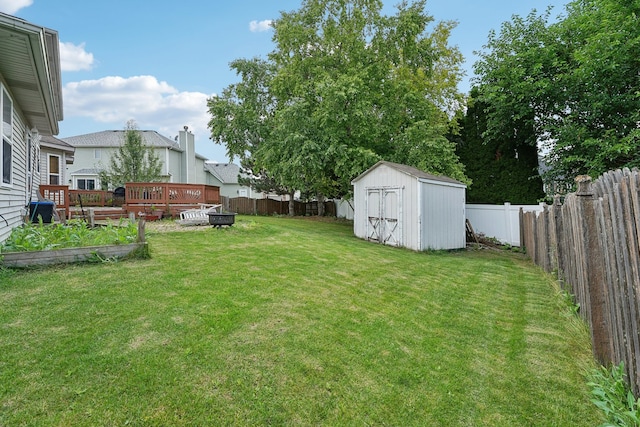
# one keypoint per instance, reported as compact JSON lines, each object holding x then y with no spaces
{"x":503,"y":169}
{"x":344,"y":87}
{"x":133,"y":162}
{"x":611,"y":393}
{"x":39,"y":237}
{"x":573,"y":82}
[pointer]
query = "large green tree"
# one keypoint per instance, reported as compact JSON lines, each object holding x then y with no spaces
{"x":133,"y":161}
{"x":346,"y":86}
{"x":574,"y":81}
{"x":503,"y":169}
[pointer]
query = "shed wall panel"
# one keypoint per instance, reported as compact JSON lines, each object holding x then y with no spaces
{"x":443,"y":217}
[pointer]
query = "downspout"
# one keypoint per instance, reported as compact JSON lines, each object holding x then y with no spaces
{"x":166,"y":163}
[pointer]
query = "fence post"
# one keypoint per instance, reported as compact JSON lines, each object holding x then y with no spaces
{"x":560,"y":246}
{"x":595,"y":273}
{"x":507,"y":219}
{"x":521,"y":220}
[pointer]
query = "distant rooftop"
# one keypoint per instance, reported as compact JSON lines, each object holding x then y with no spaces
{"x":115,"y":138}
{"x":227,"y":173}
{"x":53,"y":142}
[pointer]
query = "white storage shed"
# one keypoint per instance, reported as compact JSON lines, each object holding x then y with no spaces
{"x":400,"y":205}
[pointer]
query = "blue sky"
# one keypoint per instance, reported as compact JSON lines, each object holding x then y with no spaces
{"x":158,"y":62}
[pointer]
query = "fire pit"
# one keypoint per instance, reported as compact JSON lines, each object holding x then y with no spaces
{"x":218,"y":219}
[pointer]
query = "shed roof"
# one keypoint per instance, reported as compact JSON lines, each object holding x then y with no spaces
{"x":411,"y":171}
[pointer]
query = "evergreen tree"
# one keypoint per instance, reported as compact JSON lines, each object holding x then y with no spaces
{"x":501,"y":170}
{"x":133,"y":162}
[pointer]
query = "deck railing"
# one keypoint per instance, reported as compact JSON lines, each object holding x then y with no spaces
{"x":167,"y":196}
{"x":58,"y":194}
{"x":91,"y":198}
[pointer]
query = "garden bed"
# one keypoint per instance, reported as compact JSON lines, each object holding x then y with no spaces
{"x":38,"y":244}
{"x":70,"y":255}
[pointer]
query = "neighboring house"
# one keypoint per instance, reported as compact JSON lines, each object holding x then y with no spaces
{"x":400,"y":205}
{"x":31,"y":105}
{"x":93,"y":152}
{"x":225,"y":176}
{"x":55,"y":157}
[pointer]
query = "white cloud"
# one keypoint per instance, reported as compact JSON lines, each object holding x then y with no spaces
{"x":12,"y":6}
{"x":257,"y":27}
{"x":75,"y":57}
{"x":153,"y":104}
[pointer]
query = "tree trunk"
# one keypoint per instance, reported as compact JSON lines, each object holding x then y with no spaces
{"x":320,"y":198}
{"x":292,"y":205}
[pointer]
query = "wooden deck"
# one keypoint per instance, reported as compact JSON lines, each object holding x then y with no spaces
{"x":140,"y":198}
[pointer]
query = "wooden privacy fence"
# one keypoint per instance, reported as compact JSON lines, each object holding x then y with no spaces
{"x":592,"y":240}
{"x":247,"y":206}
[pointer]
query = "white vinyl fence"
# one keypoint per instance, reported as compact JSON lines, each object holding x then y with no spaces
{"x":499,"y":221}
{"x":344,"y":208}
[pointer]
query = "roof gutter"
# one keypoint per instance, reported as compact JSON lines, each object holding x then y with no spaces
{"x":45,"y":53}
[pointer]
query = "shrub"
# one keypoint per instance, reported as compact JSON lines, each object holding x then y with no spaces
{"x":611,"y":393}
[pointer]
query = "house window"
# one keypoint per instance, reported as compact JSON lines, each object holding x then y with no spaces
{"x":97,"y":153}
{"x":29,"y":153}
{"x":7,"y":156}
{"x":7,"y":115}
{"x":86,"y":184}
{"x":54,"y":170}
{"x":6,"y":150}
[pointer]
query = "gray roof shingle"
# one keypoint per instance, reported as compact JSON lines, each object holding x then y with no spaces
{"x":227,"y":173}
{"x":53,"y":142}
{"x":115,"y":138}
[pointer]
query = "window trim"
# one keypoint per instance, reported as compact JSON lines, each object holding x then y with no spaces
{"x":6,"y":135}
{"x":3,"y":150}
{"x":86,"y":181}
{"x":7,"y":127}
{"x":49,"y":174}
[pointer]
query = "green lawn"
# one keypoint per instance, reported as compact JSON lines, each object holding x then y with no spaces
{"x":282,"y":321}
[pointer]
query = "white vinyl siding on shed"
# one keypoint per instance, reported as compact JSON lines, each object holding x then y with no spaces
{"x":429,"y":209}
{"x":443,"y":216}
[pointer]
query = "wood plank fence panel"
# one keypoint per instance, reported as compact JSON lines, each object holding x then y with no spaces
{"x":247,"y":206}
{"x":592,"y":241}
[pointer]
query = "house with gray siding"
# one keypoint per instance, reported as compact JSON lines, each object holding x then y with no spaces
{"x":31,"y":105}
{"x":93,"y":152}
{"x":225,"y":176}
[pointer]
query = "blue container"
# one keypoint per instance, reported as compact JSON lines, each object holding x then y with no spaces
{"x":42,"y":209}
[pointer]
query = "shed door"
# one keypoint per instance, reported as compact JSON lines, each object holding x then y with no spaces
{"x":384,"y":206}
